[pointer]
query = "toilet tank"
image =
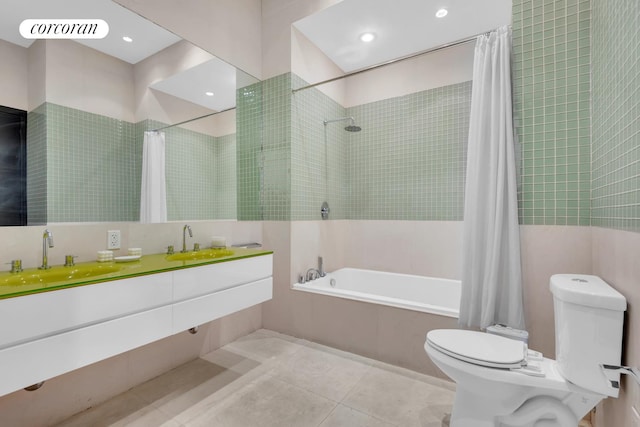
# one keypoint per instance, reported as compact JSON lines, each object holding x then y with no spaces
{"x":589,"y":316}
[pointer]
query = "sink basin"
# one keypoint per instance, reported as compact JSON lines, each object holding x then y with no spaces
{"x":200,"y":255}
{"x":58,"y":274}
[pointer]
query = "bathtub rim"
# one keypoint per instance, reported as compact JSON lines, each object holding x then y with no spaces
{"x":380,"y":300}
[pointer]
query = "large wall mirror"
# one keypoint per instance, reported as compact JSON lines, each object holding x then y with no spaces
{"x":90,"y":102}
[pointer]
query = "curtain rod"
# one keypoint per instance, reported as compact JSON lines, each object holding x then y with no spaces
{"x":191,"y":120}
{"x":393,"y":61}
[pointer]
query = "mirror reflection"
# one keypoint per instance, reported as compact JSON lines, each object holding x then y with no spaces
{"x":89,"y":105}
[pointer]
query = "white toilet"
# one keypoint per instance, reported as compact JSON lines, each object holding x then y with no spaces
{"x":502,"y":383}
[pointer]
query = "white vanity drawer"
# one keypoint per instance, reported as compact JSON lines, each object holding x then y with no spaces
{"x":36,"y":316}
{"x":197,"y":281}
{"x":198,"y":311}
{"x":47,"y":334}
{"x":39,"y":360}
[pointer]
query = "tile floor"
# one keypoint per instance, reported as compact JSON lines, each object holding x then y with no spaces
{"x":269,"y":379}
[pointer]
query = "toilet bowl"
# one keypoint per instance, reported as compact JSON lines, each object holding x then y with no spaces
{"x":488,"y":396}
{"x":501,"y":383}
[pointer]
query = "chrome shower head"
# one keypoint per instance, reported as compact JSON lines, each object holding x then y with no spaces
{"x":350,"y":128}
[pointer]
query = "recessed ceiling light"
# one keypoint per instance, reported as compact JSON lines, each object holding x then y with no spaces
{"x":209,"y":93}
{"x":441,"y":13}
{"x":367,"y":37}
{"x":127,"y":39}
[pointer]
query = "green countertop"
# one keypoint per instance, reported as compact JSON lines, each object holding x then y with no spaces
{"x":32,"y":280}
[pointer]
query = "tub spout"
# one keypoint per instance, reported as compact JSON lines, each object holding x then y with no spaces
{"x":312,"y":274}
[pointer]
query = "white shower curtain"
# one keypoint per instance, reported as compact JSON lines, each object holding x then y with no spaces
{"x":491,"y":272}
{"x":153,"y":193}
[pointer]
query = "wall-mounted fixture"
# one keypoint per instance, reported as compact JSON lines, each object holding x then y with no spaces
{"x":324,"y":210}
{"x":349,"y":128}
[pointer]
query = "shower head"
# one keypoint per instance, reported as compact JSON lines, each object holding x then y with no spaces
{"x":350,"y":128}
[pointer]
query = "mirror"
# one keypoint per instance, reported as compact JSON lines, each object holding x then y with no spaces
{"x":89,"y":103}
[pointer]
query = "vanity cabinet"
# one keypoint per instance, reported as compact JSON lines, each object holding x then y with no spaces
{"x":219,"y":290}
{"x":48,"y":334}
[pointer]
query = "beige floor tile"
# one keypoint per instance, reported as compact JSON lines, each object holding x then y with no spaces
{"x":343,"y":416}
{"x":238,"y":373}
{"x":438,"y":382}
{"x":187,"y":389}
{"x":180,"y":380}
{"x":318,"y":371}
{"x":268,"y":379}
{"x":263,"y":345}
{"x":270,"y":333}
{"x":228,"y":358}
{"x":399,"y":399}
{"x":124,"y":410}
{"x":338,"y":352}
{"x":267,"y":402}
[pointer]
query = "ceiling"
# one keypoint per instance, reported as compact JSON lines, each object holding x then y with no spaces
{"x":192,"y":84}
{"x":402,"y":27}
{"x":148,"y":38}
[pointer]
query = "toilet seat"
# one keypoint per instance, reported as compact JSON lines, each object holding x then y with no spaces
{"x":479,"y":348}
{"x":487,"y":396}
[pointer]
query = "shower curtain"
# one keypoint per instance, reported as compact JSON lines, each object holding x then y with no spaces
{"x":153,"y":193}
{"x":491,"y":272}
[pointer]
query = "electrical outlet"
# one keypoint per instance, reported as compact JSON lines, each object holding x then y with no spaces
{"x":113,"y":239}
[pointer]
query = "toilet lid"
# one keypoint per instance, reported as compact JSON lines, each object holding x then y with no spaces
{"x":479,"y":348}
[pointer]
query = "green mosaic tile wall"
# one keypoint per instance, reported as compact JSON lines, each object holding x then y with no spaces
{"x":551,"y":82}
{"x":276,"y":149}
{"x":200,"y":172}
{"x":616,"y":114}
{"x":409,"y":160}
{"x":249,"y":153}
{"x":225,"y":206}
{"x":37,"y":166}
{"x":318,"y":155}
{"x":407,"y":163}
{"x":91,"y":168}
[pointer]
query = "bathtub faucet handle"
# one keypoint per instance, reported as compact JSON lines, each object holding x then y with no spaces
{"x":312,"y":274}
{"x":321,"y":271}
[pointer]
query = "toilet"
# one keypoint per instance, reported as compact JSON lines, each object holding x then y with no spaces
{"x":500,"y":382}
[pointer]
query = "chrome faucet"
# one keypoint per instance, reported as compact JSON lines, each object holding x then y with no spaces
{"x":184,"y":237}
{"x":47,"y":241}
{"x":312,"y":274}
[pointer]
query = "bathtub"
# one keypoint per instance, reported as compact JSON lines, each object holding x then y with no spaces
{"x":417,"y":293}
